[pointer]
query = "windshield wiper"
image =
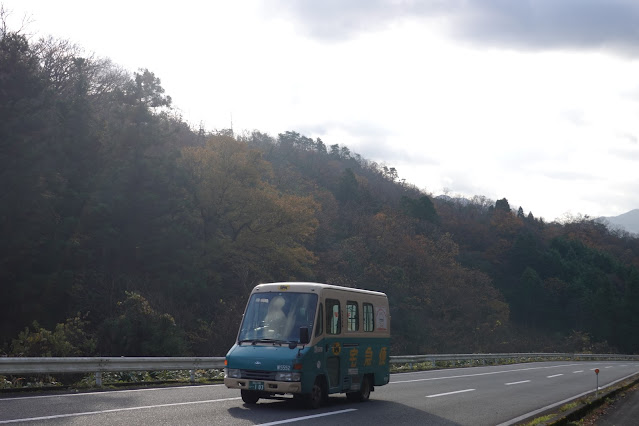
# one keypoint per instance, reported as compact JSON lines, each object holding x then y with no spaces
{"x":273,"y":341}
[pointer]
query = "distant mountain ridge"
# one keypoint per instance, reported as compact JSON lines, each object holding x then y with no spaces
{"x":628,"y":221}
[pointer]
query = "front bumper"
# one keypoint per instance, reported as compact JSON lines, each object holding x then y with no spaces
{"x":269,"y":386}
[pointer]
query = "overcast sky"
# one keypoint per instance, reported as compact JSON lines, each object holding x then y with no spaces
{"x":533,"y":100}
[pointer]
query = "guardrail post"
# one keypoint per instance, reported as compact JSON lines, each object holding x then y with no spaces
{"x":98,"y":378}
{"x":192,"y":373}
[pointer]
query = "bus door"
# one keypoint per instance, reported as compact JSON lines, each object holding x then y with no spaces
{"x":352,"y":355}
{"x":333,"y":346}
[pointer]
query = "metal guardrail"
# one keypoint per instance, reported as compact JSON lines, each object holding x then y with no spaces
{"x":99,"y":365}
{"x":524,"y":357}
{"x":50,"y":365}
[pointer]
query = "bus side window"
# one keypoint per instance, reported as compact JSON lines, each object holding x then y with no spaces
{"x":319,"y":328}
{"x":352,"y":316}
{"x":369,"y":318}
{"x":333,"y":320}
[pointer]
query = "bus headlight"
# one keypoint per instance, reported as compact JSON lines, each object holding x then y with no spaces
{"x":233,"y":373}
{"x":287,"y":376}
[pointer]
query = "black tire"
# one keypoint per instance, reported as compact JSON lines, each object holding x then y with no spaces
{"x":315,"y":399}
{"x":250,"y":397}
{"x":364,"y":392}
{"x":365,"y":389}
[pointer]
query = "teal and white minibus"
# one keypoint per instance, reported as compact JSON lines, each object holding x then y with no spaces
{"x":310,"y":340}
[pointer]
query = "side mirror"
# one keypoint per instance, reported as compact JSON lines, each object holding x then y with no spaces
{"x":304,"y":337}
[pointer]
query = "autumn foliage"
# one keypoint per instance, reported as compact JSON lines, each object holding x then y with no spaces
{"x":127,"y":232}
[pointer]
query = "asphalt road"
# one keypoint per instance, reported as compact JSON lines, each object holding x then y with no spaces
{"x":472,"y":396}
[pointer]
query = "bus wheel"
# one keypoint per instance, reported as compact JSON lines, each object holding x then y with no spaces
{"x":250,"y":397}
{"x":316,"y":397}
{"x":364,"y":391}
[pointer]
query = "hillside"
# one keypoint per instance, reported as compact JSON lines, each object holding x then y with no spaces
{"x":126,"y":232}
{"x":628,"y":221}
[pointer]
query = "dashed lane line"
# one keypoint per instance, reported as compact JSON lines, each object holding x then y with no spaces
{"x":314,"y":416}
{"x":490,"y":373}
{"x":517,"y":383}
{"x":450,"y":393}
{"x":554,"y":375}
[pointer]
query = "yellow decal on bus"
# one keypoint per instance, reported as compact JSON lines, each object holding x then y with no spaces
{"x":353,"y":358}
{"x":368,"y":357}
{"x":337,"y":348}
{"x":382,"y":356}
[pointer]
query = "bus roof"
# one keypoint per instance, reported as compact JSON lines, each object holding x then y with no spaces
{"x":311,"y":287}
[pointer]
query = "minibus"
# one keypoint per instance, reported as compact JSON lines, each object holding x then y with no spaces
{"x":310,"y":340}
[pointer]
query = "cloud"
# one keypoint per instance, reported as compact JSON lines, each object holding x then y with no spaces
{"x":337,"y":20}
{"x":532,"y":24}
{"x":625,"y":153}
{"x":373,"y":141}
{"x":569,"y":176}
{"x":551,"y":24}
{"x":574,"y":116}
{"x":632,"y":139}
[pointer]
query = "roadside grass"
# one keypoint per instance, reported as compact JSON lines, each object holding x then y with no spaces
{"x":554,"y":417}
{"x":540,"y":420}
{"x":570,"y":406}
{"x":574,"y":413}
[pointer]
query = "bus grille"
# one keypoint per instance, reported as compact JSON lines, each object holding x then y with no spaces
{"x":258,"y":375}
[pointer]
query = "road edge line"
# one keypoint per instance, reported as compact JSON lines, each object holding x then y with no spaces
{"x":533,"y":414}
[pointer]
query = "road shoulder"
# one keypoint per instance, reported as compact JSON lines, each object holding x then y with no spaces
{"x":623,"y":409}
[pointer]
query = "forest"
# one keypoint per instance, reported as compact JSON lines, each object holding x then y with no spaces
{"x":126,"y":232}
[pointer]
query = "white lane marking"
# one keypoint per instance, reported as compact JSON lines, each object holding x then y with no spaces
{"x":554,"y":375}
{"x":556,"y":404}
{"x":114,"y":410}
{"x":517,"y":383}
{"x":481,"y":374}
{"x":107,"y":392}
{"x":578,"y":371}
{"x":592,"y":369}
{"x":314,"y":416}
{"x":449,"y":393}
{"x":610,"y":366}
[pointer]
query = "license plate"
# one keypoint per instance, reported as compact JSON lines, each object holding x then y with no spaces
{"x":256,"y":386}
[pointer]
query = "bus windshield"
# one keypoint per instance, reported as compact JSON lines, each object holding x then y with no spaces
{"x":277,"y":317}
